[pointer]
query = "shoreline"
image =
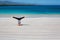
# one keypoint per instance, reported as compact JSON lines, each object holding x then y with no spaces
{"x":29,"y":15}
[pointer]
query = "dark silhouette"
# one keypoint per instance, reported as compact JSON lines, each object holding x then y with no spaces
{"x":19,"y":20}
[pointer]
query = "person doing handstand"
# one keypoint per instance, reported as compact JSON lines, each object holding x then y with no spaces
{"x":19,"y":20}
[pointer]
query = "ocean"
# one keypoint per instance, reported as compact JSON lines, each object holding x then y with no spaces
{"x":30,"y":10}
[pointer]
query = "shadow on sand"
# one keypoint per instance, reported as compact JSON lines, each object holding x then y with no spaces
{"x":24,"y":24}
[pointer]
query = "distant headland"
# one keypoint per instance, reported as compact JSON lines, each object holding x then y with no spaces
{"x":9,"y":3}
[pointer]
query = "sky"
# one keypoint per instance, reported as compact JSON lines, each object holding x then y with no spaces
{"x":39,"y":2}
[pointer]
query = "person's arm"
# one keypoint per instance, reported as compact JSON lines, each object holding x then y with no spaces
{"x":22,"y":17}
{"x":15,"y":17}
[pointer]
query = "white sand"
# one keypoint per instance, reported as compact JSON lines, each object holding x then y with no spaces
{"x":44,"y":28}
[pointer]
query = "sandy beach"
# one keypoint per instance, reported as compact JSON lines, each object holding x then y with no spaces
{"x":43,"y":28}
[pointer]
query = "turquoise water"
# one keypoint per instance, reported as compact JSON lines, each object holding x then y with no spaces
{"x":39,"y":9}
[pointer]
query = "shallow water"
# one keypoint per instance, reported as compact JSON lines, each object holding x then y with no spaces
{"x":39,"y":9}
{"x":30,"y":11}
